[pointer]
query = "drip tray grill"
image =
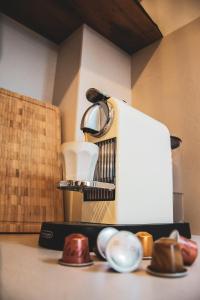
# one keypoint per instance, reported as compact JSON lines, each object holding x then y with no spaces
{"x":82,"y":186}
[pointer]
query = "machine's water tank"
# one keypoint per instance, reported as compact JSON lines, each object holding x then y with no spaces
{"x":178,"y":207}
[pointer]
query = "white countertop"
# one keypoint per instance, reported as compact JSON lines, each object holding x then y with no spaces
{"x":28,"y":272}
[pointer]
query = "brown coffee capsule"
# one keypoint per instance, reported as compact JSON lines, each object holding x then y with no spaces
{"x":146,"y":240}
{"x":76,"y":251}
{"x":166,"y":256}
{"x":189,"y":248}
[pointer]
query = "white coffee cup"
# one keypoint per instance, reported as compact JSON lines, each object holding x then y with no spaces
{"x":79,"y":160}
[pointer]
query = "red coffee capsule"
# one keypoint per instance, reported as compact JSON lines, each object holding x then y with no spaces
{"x":76,"y":251}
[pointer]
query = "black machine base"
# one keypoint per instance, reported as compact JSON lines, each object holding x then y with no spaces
{"x":52,"y":234}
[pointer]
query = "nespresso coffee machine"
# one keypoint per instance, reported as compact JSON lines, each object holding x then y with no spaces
{"x":132,"y":186}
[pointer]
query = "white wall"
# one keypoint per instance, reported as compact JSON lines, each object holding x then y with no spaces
{"x":166,"y":86}
{"x":85,"y":60}
{"x":27,"y":61}
{"x":171,"y":15}
{"x":103,"y":66}
{"x":66,"y":97}
{"x":67,"y":83}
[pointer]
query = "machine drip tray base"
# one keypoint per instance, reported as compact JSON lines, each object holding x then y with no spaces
{"x":52,"y":234}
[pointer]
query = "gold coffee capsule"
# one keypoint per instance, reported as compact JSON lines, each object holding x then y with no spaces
{"x":146,"y":240}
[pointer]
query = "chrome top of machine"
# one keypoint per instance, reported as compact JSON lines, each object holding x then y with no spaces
{"x":93,"y":95}
{"x":98,"y":118}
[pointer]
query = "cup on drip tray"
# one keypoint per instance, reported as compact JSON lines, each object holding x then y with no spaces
{"x":79,"y":160}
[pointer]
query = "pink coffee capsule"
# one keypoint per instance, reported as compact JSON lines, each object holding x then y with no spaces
{"x":188,"y":247}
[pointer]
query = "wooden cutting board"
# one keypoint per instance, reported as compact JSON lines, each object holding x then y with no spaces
{"x":30,"y":163}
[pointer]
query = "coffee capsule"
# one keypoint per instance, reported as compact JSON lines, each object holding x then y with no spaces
{"x":189,"y":248}
{"x":146,"y":240}
{"x":103,"y":238}
{"x":166,"y":256}
{"x":124,"y":252}
{"x":169,"y":275}
{"x":76,"y":251}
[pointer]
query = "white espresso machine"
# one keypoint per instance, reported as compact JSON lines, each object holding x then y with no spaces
{"x":132,"y":186}
{"x":135,"y":155}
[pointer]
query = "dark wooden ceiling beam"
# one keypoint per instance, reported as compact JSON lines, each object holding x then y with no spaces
{"x":124,"y":22}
